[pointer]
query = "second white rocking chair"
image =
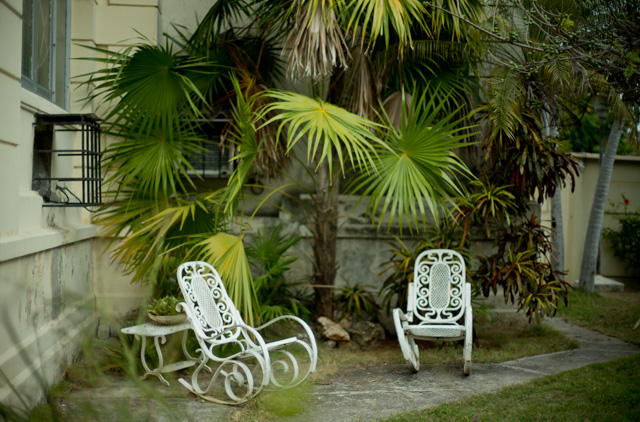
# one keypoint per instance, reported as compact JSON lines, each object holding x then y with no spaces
{"x":439,"y":306}
{"x":241,"y":361}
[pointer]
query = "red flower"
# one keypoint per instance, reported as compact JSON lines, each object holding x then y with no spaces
{"x":626,"y":201}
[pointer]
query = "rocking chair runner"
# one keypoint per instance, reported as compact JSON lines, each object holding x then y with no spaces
{"x":439,"y":306}
{"x":244,"y":361}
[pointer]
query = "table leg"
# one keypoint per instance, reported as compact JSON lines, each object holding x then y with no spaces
{"x":143,"y":359}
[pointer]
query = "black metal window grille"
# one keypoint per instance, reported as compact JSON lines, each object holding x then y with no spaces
{"x":53,"y":187}
{"x":214,"y":161}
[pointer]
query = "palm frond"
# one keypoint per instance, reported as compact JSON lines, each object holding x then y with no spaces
{"x":506,"y":103}
{"x":220,"y":17}
{"x":149,"y":89}
{"x":155,"y":163}
{"x":327,"y":128}
{"x":376,"y":18}
{"x":244,"y":137}
{"x":441,"y":21}
{"x":420,"y":169}
{"x":358,"y":93}
{"x":227,"y":254}
{"x":316,"y":45}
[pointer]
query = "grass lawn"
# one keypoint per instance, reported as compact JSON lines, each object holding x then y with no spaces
{"x":614,"y":314}
{"x":598,"y":392}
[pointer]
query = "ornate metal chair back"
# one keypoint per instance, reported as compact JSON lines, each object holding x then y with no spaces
{"x":437,"y":293}
{"x":209,"y":304}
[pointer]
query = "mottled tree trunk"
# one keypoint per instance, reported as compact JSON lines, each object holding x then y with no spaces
{"x":325,"y":236}
{"x":558,"y":234}
{"x":594,"y":227}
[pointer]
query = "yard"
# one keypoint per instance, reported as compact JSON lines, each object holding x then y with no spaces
{"x":98,"y":387}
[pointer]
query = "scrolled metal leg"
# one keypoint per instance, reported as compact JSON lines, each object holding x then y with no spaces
{"x":143,"y":358}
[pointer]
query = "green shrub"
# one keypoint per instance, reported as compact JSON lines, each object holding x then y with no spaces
{"x":625,"y":241}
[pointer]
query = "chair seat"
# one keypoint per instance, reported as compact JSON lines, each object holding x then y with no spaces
{"x":436,"y":331}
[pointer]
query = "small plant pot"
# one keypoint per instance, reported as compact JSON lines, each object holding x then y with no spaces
{"x":167,"y":319}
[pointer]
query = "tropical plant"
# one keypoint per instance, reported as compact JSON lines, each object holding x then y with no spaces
{"x":165,"y":217}
{"x":625,"y":240}
{"x":522,"y":268}
{"x":356,"y":302}
{"x":276,"y":295}
{"x":163,"y":306}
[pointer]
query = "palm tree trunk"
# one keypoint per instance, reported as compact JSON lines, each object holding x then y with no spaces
{"x":594,"y":228}
{"x":558,"y":233}
{"x":325,"y":237}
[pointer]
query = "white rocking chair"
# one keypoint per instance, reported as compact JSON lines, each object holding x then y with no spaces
{"x":439,"y":306}
{"x":242,"y":362}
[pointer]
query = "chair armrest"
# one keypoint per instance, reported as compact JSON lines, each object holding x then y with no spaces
{"x":402,"y":317}
{"x":312,"y":340}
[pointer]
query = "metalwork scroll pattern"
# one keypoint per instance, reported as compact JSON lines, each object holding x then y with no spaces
{"x":209,"y":300}
{"x":439,"y":278}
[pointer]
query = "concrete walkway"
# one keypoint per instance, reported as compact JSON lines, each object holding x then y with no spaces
{"x":384,"y":391}
{"x":360,"y":394}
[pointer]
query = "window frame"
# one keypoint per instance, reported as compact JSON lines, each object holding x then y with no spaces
{"x":212,"y":146}
{"x":58,"y":55}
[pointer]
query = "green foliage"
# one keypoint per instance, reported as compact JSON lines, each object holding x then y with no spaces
{"x":401,"y":267}
{"x":418,"y":167}
{"x":522,"y":268}
{"x":625,"y":240}
{"x":356,"y":302}
{"x":488,"y":202}
{"x":267,"y":254}
{"x":164,"y":306}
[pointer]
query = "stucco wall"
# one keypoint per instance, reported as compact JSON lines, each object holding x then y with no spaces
{"x":576,"y":207}
{"x":47,"y":271}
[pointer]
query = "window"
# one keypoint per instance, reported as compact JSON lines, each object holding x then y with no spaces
{"x":45,"y":48}
{"x":60,"y":188}
{"x":213,"y":162}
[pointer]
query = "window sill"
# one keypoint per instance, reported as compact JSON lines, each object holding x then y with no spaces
{"x":34,"y":103}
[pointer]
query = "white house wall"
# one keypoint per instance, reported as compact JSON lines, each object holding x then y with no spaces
{"x":48,"y":271}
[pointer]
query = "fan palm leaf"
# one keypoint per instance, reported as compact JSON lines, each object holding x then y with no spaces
{"x":376,"y":18}
{"x":227,"y":254}
{"x":327,"y":128}
{"x":420,"y":168}
{"x":146,"y":87}
{"x":156,"y":162}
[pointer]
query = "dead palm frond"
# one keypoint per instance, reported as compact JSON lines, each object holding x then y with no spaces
{"x":359,"y":93}
{"x":316,"y":45}
{"x":397,"y":107}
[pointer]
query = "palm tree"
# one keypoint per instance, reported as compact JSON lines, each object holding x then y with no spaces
{"x":404,"y":164}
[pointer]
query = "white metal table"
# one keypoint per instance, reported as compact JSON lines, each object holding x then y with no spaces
{"x":159,"y":333}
